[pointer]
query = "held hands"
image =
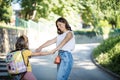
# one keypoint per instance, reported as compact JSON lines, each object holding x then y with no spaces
{"x":42,"y":53}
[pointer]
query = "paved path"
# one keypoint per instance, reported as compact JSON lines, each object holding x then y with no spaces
{"x":83,"y":69}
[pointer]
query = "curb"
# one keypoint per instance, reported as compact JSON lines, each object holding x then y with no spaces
{"x":104,"y":69}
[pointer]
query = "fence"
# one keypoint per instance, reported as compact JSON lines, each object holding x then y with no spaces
{"x":37,"y":32}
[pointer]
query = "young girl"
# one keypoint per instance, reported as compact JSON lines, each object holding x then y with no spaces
{"x":65,"y":43}
{"x":22,"y":44}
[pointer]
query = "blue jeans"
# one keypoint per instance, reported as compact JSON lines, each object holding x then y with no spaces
{"x":65,"y":66}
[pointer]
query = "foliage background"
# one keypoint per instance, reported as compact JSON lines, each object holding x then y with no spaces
{"x":107,"y":54}
{"x":91,"y":11}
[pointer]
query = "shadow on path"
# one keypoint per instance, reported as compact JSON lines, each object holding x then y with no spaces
{"x":83,"y":68}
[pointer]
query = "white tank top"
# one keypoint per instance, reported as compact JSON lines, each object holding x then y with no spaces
{"x":70,"y":45}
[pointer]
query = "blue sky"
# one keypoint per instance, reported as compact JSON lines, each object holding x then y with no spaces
{"x":16,"y":4}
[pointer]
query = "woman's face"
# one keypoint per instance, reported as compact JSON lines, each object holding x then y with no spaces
{"x":61,"y":26}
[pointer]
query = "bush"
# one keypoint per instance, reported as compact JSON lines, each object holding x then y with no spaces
{"x":86,"y":33}
{"x":107,"y":54}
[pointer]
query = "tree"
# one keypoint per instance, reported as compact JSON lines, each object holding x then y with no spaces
{"x":109,"y":9}
{"x":45,"y":7}
{"x":29,"y":7}
{"x":5,"y":11}
{"x":92,"y":10}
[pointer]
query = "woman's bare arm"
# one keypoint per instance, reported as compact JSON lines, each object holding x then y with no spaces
{"x":40,"y":53}
{"x":49,"y":42}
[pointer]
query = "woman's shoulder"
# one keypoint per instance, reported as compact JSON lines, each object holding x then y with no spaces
{"x":70,"y":32}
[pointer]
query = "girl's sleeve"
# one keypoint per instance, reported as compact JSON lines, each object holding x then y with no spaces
{"x":27,"y":53}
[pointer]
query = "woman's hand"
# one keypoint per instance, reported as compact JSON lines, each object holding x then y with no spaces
{"x":38,"y":49}
{"x":53,"y":51}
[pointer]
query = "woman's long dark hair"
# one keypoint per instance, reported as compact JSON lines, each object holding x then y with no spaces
{"x":22,"y":43}
{"x":63,"y":20}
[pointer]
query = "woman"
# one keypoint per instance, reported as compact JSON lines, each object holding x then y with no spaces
{"x":65,"y":43}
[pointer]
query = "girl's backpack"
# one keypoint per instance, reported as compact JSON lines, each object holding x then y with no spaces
{"x":15,"y":63}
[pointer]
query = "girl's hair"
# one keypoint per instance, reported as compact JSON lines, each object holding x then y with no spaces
{"x":63,"y":20}
{"x":22,"y":43}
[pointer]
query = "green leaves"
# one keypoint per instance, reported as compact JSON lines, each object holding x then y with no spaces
{"x":4,"y":10}
{"x":107,"y":54}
